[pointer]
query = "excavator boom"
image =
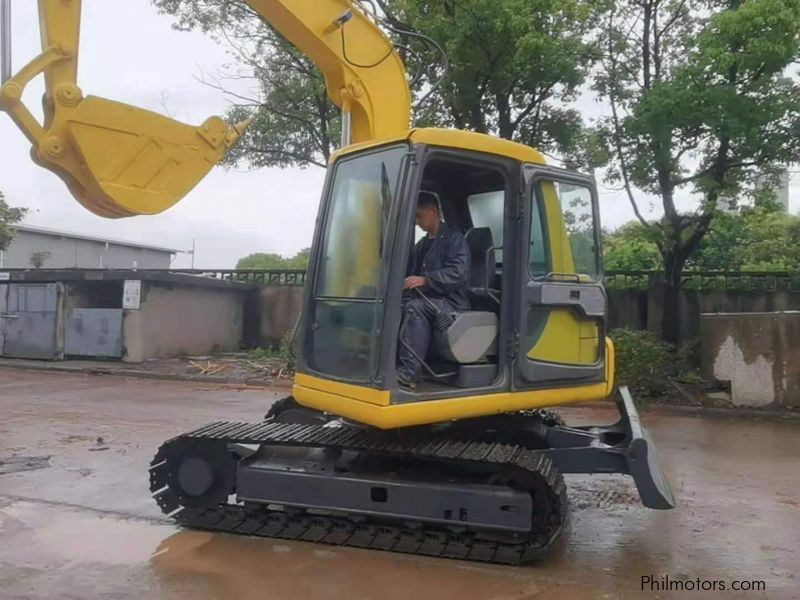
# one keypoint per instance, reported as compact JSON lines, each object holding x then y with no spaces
{"x":364,"y":75}
{"x":119,"y":160}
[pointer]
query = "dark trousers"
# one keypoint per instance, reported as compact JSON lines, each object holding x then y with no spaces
{"x":415,"y":333}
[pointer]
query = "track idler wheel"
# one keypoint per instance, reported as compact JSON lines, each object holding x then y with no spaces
{"x":195,"y":473}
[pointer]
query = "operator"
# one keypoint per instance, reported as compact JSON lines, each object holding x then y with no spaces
{"x":437,"y":282}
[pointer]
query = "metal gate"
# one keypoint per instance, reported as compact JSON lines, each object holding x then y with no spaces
{"x":93,"y":332}
{"x":29,"y":320}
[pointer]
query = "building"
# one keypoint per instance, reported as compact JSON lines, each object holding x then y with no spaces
{"x":778,"y":184}
{"x":52,"y":249}
{"x":120,"y":314}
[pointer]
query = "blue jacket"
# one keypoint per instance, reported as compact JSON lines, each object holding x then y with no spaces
{"x":446,"y":266}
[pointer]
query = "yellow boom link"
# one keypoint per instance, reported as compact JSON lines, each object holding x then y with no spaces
{"x":119,"y":160}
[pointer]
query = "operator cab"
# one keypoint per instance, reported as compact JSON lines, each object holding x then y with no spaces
{"x":537,"y":314}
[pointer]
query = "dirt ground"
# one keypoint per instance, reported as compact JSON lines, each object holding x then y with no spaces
{"x":232,"y":368}
{"x":76,"y":519}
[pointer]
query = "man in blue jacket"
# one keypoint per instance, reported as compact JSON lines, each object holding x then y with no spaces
{"x":439,"y":267}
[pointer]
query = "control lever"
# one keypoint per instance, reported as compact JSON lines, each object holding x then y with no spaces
{"x":442,"y":321}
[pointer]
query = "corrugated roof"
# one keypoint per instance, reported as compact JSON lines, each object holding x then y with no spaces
{"x":91,"y":238}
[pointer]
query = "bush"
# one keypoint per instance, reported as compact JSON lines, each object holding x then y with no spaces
{"x":285,"y":351}
{"x":645,"y":363}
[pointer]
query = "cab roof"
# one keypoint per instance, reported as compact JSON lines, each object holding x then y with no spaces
{"x":453,"y":138}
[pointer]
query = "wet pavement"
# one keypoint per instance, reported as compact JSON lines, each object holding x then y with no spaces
{"x":76,"y":519}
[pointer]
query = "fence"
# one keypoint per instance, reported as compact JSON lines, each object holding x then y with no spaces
{"x":259,"y":276}
{"x":738,"y":281}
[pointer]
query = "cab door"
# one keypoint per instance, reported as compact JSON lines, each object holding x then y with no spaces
{"x":560,"y":332}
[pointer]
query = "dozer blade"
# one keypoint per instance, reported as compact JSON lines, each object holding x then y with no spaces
{"x":642,"y":459}
{"x":624,"y":447}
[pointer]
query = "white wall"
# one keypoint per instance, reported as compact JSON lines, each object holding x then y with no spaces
{"x":68,"y":253}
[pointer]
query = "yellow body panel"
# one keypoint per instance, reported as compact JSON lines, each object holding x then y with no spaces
{"x":452,"y":138}
{"x":436,"y":411}
{"x":373,"y":407}
{"x":566,"y":340}
{"x":337,"y":388}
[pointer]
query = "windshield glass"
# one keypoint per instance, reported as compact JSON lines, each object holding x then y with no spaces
{"x":356,"y":221}
{"x":358,"y":212}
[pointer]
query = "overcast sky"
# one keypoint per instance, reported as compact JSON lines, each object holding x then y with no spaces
{"x":130,"y":53}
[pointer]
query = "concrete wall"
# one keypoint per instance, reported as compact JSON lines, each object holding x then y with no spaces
{"x":278,"y":309}
{"x":68,"y":253}
{"x":636,"y":309}
{"x":627,"y":308}
{"x":758,"y":353}
{"x":179,"y":320}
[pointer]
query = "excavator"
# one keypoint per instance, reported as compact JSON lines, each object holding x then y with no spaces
{"x":468,"y":465}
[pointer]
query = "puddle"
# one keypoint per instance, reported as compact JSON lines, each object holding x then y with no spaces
{"x":83,"y":537}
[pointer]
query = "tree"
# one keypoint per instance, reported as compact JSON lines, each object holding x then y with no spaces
{"x":262,"y":260}
{"x":295,"y":123}
{"x":699,"y":106}
{"x":515,"y":65}
{"x":9,"y":216}
{"x":760,"y":238}
{"x":38,"y":258}
{"x":630,"y":248}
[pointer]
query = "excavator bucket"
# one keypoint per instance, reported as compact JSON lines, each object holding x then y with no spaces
{"x":117,"y":160}
{"x":135,"y":161}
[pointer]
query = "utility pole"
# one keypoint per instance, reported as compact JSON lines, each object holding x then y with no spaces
{"x":5,"y":35}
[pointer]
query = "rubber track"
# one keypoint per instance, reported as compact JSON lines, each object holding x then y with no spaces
{"x":362,"y":532}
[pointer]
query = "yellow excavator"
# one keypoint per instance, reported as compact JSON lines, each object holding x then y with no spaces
{"x":469,"y":464}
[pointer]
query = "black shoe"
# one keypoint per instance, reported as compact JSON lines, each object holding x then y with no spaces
{"x":406,"y":383}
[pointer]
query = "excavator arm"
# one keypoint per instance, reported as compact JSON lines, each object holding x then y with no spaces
{"x":119,"y":160}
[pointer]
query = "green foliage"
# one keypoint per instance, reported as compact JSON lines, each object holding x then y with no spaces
{"x":759,"y":239}
{"x":644,"y":362}
{"x":261,"y":260}
{"x":630,"y":248}
{"x":38,"y":258}
{"x":700,"y":103}
{"x":294,"y":121}
{"x":285,"y":351}
{"x":8,"y":216}
{"x":515,"y":65}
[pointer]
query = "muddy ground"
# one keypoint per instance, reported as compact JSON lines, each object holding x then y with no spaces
{"x":76,"y":519}
{"x":232,"y":368}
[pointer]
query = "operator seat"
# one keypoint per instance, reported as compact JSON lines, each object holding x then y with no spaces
{"x":473,"y":334}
